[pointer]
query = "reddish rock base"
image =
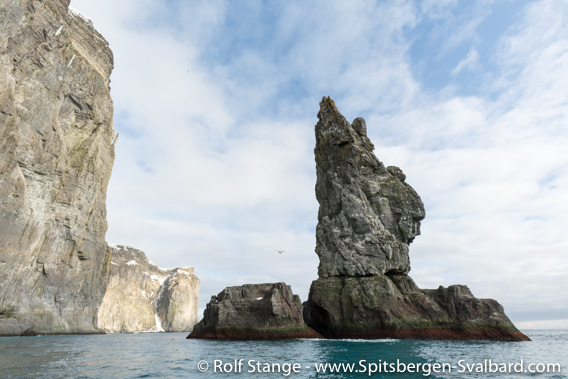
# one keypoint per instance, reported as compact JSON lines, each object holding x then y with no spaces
{"x":253,"y":335}
{"x":434,"y":334}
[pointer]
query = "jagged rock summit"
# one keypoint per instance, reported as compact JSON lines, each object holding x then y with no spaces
{"x":367,"y":218}
{"x":142,"y":297}
{"x":254,"y":312}
{"x":368,"y":215}
{"x":56,"y":156}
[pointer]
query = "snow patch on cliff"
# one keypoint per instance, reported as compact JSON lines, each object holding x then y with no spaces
{"x":158,"y":324}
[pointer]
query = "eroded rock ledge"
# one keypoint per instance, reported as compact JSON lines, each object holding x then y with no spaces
{"x":367,"y":218}
{"x":254,"y":312}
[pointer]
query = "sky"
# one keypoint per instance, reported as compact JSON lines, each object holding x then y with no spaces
{"x":216,"y":102}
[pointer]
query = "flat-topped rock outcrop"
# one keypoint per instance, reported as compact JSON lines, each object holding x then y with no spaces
{"x":254,"y":312}
{"x":56,"y":156}
{"x":367,"y":218}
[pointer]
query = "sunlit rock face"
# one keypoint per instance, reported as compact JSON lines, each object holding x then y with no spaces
{"x":177,"y":302}
{"x":56,"y":156}
{"x":367,"y":218}
{"x":142,"y":297}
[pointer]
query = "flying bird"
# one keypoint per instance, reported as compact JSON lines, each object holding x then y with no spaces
{"x":280,"y":251}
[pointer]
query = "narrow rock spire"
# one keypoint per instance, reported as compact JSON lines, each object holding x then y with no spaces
{"x":367,"y":218}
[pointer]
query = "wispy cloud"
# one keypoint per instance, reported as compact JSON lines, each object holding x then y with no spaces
{"x":471,"y":62}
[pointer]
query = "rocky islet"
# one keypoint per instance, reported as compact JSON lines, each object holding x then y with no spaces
{"x":367,"y":218}
{"x":254,"y":312}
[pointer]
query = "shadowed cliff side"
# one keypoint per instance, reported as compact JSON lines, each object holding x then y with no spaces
{"x":367,"y":218}
{"x":56,"y":156}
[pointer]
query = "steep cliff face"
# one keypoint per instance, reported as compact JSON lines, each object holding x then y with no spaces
{"x":142,"y":297}
{"x":177,"y":301}
{"x":56,"y":156}
{"x":367,"y":218}
{"x":254,"y":312}
{"x":368,"y":215}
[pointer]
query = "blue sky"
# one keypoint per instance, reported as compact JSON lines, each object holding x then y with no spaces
{"x":216,"y":101}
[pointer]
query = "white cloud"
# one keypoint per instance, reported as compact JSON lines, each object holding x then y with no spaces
{"x":471,"y":62}
{"x":493,"y":176}
{"x":438,"y":9}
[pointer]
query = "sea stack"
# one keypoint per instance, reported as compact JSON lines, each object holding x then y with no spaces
{"x":368,"y":217}
{"x":56,"y":156}
{"x":267,"y":311}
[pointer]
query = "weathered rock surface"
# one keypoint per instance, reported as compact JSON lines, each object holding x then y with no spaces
{"x":367,"y":218}
{"x":142,"y":297}
{"x":56,"y":156}
{"x":177,"y":302}
{"x":368,"y":215}
{"x":254,"y":312}
{"x":382,"y":306}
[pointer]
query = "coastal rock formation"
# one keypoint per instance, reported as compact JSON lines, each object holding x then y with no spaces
{"x":56,"y":156}
{"x":368,"y":215}
{"x":177,"y":301}
{"x":142,"y":297}
{"x":367,"y":218}
{"x":254,"y":312}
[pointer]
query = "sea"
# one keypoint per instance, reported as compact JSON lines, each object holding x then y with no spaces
{"x":170,"y":355}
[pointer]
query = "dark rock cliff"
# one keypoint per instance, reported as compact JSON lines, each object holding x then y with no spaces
{"x":254,"y":312}
{"x":56,"y":156}
{"x":368,"y":216}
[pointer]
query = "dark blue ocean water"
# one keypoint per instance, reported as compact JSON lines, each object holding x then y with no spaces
{"x":170,"y":355}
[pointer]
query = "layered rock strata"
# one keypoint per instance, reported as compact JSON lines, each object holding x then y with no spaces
{"x":367,"y":218}
{"x":56,"y":156}
{"x":142,"y":297}
{"x":254,"y":312}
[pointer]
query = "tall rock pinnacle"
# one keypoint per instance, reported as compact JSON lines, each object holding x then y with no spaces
{"x":368,"y":215}
{"x":367,"y":218}
{"x":56,"y":156}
